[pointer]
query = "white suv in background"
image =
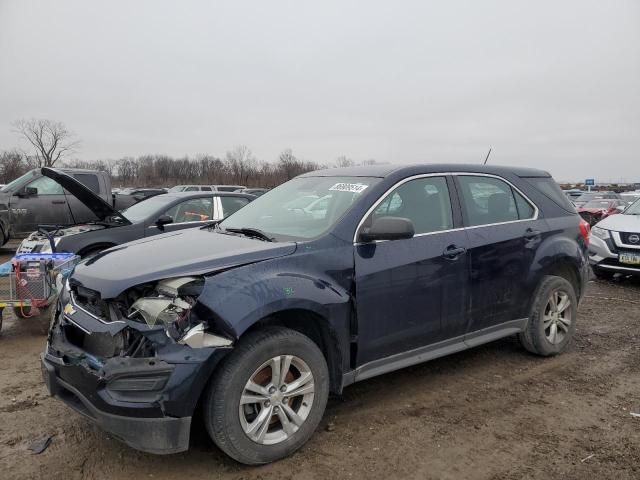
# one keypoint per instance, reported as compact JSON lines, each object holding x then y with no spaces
{"x":615,"y":244}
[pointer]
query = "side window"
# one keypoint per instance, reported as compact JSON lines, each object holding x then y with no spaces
{"x":488,"y":200}
{"x":206,"y":189}
{"x":191,"y":189}
{"x":232,"y":204}
{"x":424,"y":201}
{"x":89,"y":181}
{"x":194,"y":210}
{"x":389,"y":206}
{"x":525,"y":209}
{"x":46,"y":186}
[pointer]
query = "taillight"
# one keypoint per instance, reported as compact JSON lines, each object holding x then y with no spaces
{"x":585,"y":230}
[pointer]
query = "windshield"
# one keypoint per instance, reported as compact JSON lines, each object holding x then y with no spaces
{"x":598,"y":204}
{"x":283,"y":213}
{"x":633,"y":209}
{"x":177,"y":188}
{"x":142,"y":210}
{"x":9,"y":187}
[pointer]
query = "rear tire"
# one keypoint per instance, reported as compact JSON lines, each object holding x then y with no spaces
{"x":291,"y":404}
{"x":552,"y":322}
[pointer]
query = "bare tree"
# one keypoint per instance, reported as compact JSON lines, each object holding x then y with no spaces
{"x":344,"y":161}
{"x":50,"y":140}
{"x":241,"y":163}
{"x":12,"y":165}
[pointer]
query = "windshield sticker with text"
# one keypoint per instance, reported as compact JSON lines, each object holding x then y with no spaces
{"x":349,"y":187}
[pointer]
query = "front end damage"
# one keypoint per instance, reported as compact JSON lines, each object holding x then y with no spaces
{"x":136,"y":364}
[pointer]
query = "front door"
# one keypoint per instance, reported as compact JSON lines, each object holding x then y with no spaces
{"x":47,"y":207}
{"x":411,"y":293}
{"x":190,"y":213}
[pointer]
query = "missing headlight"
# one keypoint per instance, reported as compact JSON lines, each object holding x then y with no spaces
{"x":168,"y":303}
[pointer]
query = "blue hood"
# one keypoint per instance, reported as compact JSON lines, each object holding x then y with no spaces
{"x":187,"y":252}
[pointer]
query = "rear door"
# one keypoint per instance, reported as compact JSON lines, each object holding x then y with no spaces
{"x":411,"y":293}
{"x":504,"y":232}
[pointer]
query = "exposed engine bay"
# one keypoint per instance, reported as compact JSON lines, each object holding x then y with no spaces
{"x":138,"y":323}
{"x":40,"y":241}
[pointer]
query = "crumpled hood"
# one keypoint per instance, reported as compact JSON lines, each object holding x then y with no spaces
{"x":621,"y":223}
{"x":186,"y":252}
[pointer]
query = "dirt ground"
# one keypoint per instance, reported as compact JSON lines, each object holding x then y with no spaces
{"x":493,"y":412}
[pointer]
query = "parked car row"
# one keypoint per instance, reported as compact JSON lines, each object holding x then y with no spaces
{"x":334,"y":277}
{"x":35,"y":200}
{"x":161,"y":213}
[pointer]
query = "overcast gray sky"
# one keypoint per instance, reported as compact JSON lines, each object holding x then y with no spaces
{"x":549,"y":84}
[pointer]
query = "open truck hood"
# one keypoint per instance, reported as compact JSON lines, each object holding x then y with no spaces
{"x":194,"y":251}
{"x":93,"y":202}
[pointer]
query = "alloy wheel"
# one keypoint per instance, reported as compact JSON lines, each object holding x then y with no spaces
{"x":557,"y":317}
{"x":277,"y":399}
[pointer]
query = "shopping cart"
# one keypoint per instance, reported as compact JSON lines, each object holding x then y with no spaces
{"x":30,"y":283}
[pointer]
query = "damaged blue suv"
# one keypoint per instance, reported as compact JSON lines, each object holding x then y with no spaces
{"x":332,"y":278}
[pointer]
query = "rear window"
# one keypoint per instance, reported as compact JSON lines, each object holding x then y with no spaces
{"x":549,"y":188}
{"x":89,"y":181}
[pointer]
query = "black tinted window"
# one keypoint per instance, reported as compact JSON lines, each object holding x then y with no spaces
{"x":424,"y":201}
{"x":89,"y":181}
{"x":549,"y":188}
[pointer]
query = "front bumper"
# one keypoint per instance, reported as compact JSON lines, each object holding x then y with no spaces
{"x":159,"y":435}
{"x":146,"y":402}
{"x":604,"y":255}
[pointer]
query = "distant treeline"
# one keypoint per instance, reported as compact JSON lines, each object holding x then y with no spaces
{"x":238,"y":167}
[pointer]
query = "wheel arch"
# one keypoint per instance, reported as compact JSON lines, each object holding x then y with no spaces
{"x":315,"y":327}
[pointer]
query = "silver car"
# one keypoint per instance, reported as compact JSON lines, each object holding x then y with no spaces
{"x":614,"y":246}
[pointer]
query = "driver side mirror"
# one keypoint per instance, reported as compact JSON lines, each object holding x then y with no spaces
{"x":621,"y":208}
{"x":163,"y":220}
{"x":27,"y":192}
{"x":388,"y":228}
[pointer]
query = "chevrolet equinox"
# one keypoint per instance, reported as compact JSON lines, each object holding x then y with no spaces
{"x":257,"y":318}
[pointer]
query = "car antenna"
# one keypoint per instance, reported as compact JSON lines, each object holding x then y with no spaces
{"x":487,"y":157}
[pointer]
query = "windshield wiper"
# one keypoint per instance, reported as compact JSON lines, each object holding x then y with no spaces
{"x":250,"y":232}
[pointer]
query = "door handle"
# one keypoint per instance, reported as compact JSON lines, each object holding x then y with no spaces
{"x":452,"y":252}
{"x":531,"y":234}
{"x":58,"y":202}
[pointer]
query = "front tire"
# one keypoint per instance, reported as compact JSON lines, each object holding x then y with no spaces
{"x":268,"y":397}
{"x":552,"y":322}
